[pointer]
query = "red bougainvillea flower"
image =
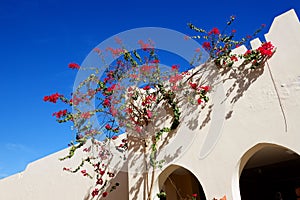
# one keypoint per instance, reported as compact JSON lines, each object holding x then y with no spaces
{"x":104,"y":194}
{"x":193,"y":85}
{"x":147,"y":87}
{"x":114,"y":137}
{"x":199,"y":101}
{"x":106,"y":102}
{"x":74,"y":66}
{"x":248,"y":52}
{"x":102,"y":172}
{"x":155,"y":61}
{"x":99,"y":181}
{"x":206,"y":88}
{"x":111,"y":88}
{"x":194,"y":195}
{"x":66,"y":169}
{"x":108,"y":126}
{"x":84,"y":173}
{"x":52,"y":98}
{"x":95,"y":192}
{"x":174,"y":67}
{"x":214,"y":31}
{"x":234,"y":58}
{"x":206,"y":46}
{"x":266,"y":49}
{"x":60,"y":113}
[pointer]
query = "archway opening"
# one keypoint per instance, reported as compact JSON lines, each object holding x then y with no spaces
{"x":272,"y":172}
{"x":180,"y":184}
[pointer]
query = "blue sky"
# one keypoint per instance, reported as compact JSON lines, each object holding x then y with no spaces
{"x":38,"y":39}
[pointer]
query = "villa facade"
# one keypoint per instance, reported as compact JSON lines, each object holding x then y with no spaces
{"x":244,"y":145}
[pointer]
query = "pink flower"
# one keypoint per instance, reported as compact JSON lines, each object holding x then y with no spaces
{"x":144,"y":46}
{"x":138,"y":129}
{"x":174,"y":79}
{"x":149,"y":114}
{"x":115,"y":52}
{"x":86,"y":115}
{"x":186,"y":37}
{"x":147,"y":68}
{"x":113,"y":111}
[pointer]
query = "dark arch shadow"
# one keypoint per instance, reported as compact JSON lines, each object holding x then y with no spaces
{"x":180,"y":184}
{"x":269,"y":171}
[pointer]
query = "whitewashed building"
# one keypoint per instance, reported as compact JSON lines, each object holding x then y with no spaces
{"x":245,"y":145}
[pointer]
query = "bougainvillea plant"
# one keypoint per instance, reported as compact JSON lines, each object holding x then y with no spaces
{"x":220,"y":45}
{"x":130,"y":97}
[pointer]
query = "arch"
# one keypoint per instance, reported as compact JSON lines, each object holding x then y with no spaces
{"x":269,"y":171}
{"x":180,"y":183}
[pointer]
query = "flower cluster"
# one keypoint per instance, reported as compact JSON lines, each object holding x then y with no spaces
{"x":52,"y":98}
{"x":220,"y":44}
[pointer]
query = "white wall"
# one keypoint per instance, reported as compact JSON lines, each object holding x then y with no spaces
{"x":242,"y":115}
